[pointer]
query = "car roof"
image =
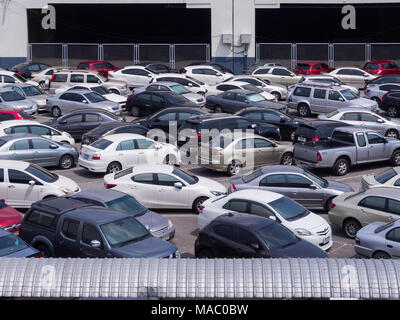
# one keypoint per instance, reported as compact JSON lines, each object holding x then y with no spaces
{"x":250,"y":222}
{"x":59,"y":205}
{"x":171,"y":74}
{"x":15,"y":136}
{"x":99,"y":194}
{"x":261,"y":109}
{"x":210,"y":117}
{"x":384,"y":191}
{"x":3,"y":89}
{"x":121,"y":136}
{"x":311,"y":62}
{"x":166,"y":83}
{"x":20,"y":85}
{"x":96,"y":214}
{"x":9,"y":123}
{"x":157,"y":168}
{"x":356,"y":109}
{"x":352,"y":129}
{"x":93,"y":61}
{"x":254,"y":194}
{"x":79,"y":91}
{"x":86,"y":110}
{"x":281,"y":168}
{"x":21,"y":165}
{"x":242,"y":91}
{"x":6,"y":72}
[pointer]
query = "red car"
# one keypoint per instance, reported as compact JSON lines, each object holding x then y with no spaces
{"x":10,"y":219}
{"x":309,"y":68}
{"x":13,"y":114}
{"x":100,"y":66}
{"x":381,"y":67}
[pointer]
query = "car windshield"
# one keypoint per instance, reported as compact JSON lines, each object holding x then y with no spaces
{"x":252,"y":176}
{"x":253,"y":88}
{"x":42,"y":173}
{"x":185,"y":176}
{"x":128,"y":205}
{"x":348,"y":94}
{"x":385,"y":175}
{"x":11,"y":244}
{"x":318,"y":180}
{"x":179,"y":89}
{"x":255,"y":97}
{"x":10,"y":96}
{"x":20,"y":78}
{"x":32,"y":91}
{"x":277,"y":236}
{"x":101,"y":144}
{"x":195,"y":80}
{"x":124,"y":231}
{"x":94,"y":97}
{"x":288,"y":209}
{"x":102,"y":78}
{"x":172,"y":99}
{"x":100,"y":90}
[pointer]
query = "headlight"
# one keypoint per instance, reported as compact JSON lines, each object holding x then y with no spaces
{"x":170,"y":224}
{"x":302,"y":232}
{"x":217,"y":193}
{"x":66,"y":190}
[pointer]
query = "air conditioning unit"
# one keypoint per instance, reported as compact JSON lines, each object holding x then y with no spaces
{"x":227,"y":39}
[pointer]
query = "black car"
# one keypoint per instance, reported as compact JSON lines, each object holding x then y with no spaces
{"x":391,"y":104}
{"x":113,"y":127}
{"x":316,"y":130}
{"x":388,"y":78}
{"x":199,"y":125}
{"x":67,"y":227}
{"x":287,"y":124}
{"x":232,"y":101}
{"x":79,"y":122}
{"x":25,"y":69}
{"x":231,"y":236}
{"x":149,"y":102}
{"x":217,"y":66}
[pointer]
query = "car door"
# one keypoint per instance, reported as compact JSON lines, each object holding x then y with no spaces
{"x":352,"y":118}
{"x":372,"y":122}
{"x":345,"y":75}
{"x":304,"y":191}
{"x":335,"y":101}
{"x":158,"y":102}
{"x":3,"y":185}
{"x":43,"y":131}
{"x":21,"y":150}
{"x":67,"y":242}
{"x":222,"y":241}
{"x":88,"y":234}
{"x":318,"y":101}
{"x":44,"y":154}
{"x":264,"y":74}
{"x":363,"y":148}
{"x":373,"y":208}
{"x":19,"y":191}
{"x":169,"y":196}
{"x":358,"y":78}
{"x":91,"y":121}
{"x":127,"y":154}
{"x":144,"y":187}
{"x":147,"y":152}
{"x":282,"y":76}
{"x":393,"y":243}
{"x":265,"y":152}
{"x":74,"y":125}
{"x":377,"y":148}
{"x":245,"y":240}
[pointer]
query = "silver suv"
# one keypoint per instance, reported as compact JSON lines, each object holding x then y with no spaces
{"x":69,"y":78}
{"x":322,"y":98}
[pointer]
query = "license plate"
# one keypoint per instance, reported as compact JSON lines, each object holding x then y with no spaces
{"x":326,"y":240}
{"x":301,"y":139}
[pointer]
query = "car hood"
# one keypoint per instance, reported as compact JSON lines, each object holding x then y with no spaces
{"x":150,"y":247}
{"x":115,"y":97}
{"x":40,"y":99}
{"x":210,"y":185}
{"x":339,"y":186}
{"x":9,"y":216}
{"x":362,"y":102}
{"x":311,"y":222}
{"x":193,"y":96}
{"x":66,"y":183}
{"x":19,"y":104}
{"x":153,"y":220}
{"x":105,"y":104}
{"x":116,"y":83}
{"x":301,"y":249}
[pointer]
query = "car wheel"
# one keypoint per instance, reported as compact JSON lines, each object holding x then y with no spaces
{"x":197,"y":204}
{"x":205,"y":253}
{"x":170,"y":159}
{"x":351,"y":227}
{"x":277,"y":95}
{"x":395,"y":160}
{"x":292,"y":135}
{"x":392,"y":134}
{"x":377,"y":100}
{"x":381,"y":255}
{"x":218,"y":109}
{"x":287,"y":159}
{"x":303,"y":110}
{"x":114,"y":167}
{"x":341,"y":167}
{"x":392,"y":112}
{"x":66,"y":162}
{"x":56,"y":112}
{"x":234,"y":168}
{"x":44,"y":251}
{"x":134,"y":111}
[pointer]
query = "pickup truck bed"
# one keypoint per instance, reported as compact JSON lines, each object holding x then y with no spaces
{"x":308,"y":151}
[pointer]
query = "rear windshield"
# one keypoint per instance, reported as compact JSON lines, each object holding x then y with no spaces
{"x":123,"y":173}
{"x":10,"y":96}
{"x":11,"y":244}
{"x":252,"y":176}
{"x":302,"y":66}
{"x":32,"y":91}
{"x":385,"y":176}
{"x":343,"y":136}
{"x":94,"y":97}
{"x":101,"y":144}
{"x":128,"y":205}
{"x":385,"y":226}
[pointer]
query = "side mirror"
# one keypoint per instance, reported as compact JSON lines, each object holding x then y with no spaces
{"x":255,"y":246}
{"x":53,"y":146}
{"x":157,"y":120}
{"x":163,"y":102}
{"x":246,"y":101}
{"x":253,"y":126}
{"x":380,"y":121}
{"x":313,"y":186}
{"x":84,"y":101}
{"x":32,"y":182}
{"x":190,"y":84}
{"x":341,"y":99}
{"x":95,"y":244}
{"x":178,"y":185}
{"x":63,"y":122}
{"x":272,"y":218}
{"x":147,"y":227}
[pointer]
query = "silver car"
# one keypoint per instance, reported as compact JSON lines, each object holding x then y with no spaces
{"x":12,"y":99}
{"x":377,"y":91}
{"x":366,"y":119}
{"x":38,"y":150}
{"x":379,"y":240}
{"x":389,"y":178}
{"x":73,"y":100}
{"x":306,"y":188}
{"x":32,"y":93}
{"x":321,"y":78}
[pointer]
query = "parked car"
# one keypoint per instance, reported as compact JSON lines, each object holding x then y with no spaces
{"x":389,"y":78}
{"x":238,"y":85}
{"x":46,"y":74}
{"x":207,"y":74}
{"x":13,"y":114}
{"x":165,"y":186}
{"x":251,"y":237}
{"x":34,"y":127}
{"x":113,"y":127}
{"x":10,"y":219}
{"x":12,"y":99}
{"x":235,"y":100}
{"x":157,"y":68}
{"x":30,"y":92}
{"x":316,"y":130}
{"x":7,"y":77}
{"x":376,"y":92}
{"x":149,"y":102}
{"x":158,"y":225}
{"x":313,"y":67}
{"x":320,"y":98}
{"x":188,"y":82}
{"x":365,"y":119}
{"x":305,"y":224}
{"x":120,"y":151}
{"x":165,"y":86}
{"x":306,"y":188}
{"x":391,"y":103}
{"x":381,"y":67}
{"x":27,"y":69}
{"x":287,"y":124}
{"x":12,"y":246}
{"x":66,"y":227}
{"x":352,"y":76}
{"x":379,"y":240}
{"x":389,"y":178}
{"x":348,"y":146}
{"x":102,"y":67}
{"x":279,"y":75}
{"x":249,"y":70}
{"x":354,"y":210}
{"x":67,"y":78}
{"x":77,"y":123}
{"x":324,"y":78}
{"x":244,"y":152}
{"x":134,"y":76}
{"x":24,"y":183}
{"x":73,"y":100}
{"x":216,"y":66}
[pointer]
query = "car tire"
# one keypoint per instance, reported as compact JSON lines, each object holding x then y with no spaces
{"x":114,"y":167}
{"x":392,"y":133}
{"x":351,"y":227}
{"x":197,"y":204}
{"x":218,"y":109}
{"x":44,"y":250}
{"x":66,"y":162}
{"x":303,"y":110}
{"x":392,"y":112}
{"x":277,"y":95}
{"x":205,"y":253}
{"x":395,"y":159}
{"x":134,"y":111}
{"x":234,"y":168}
{"x":56,"y":112}
{"x":341,"y":167}
{"x":380,"y":255}
{"x":287,"y":159}
{"x":377,"y":100}
{"x":170,"y":159}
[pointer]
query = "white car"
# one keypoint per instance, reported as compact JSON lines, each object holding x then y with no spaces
{"x":207,"y":74}
{"x":165,"y":186}
{"x":352,"y":76}
{"x":34,"y":127}
{"x":8,"y":77}
{"x":305,"y":224}
{"x":24,"y":183}
{"x":188,"y":82}
{"x":134,"y":76}
{"x":120,"y":151}
{"x":232,"y":85}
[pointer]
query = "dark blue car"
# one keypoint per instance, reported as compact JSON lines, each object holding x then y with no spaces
{"x":12,"y":246}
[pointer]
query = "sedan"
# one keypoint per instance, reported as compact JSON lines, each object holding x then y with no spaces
{"x":32,"y":93}
{"x":188,"y":82}
{"x":73,"y":100}
{"x":13,"y":100}
{"x":12,"y":246}
{"x":352,"y":76}
{"x":238,"y":85}
{"x":306,"y":188}
{"x":305,"y":224}
{"x":279,"y":75}
{"x":233,"y":101}
{"x":165,"y":186}
{"x":27,"y":69}
{"x":377,"y":91}
{"x":251,"y":237}
{"x":389,"y":178}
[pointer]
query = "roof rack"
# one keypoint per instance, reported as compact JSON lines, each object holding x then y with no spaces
{"x":319,"y":84}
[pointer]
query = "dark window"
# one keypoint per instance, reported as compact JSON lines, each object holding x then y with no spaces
{"x":389,"y":87}
{"x":92,"y":79}
{"x":376,"y":203}
{"x":271,"y":116}
{"x":281,"y":72}
{"x":83,"y":66}
{"x":77,"y":78}
{"x":1,"y":175}
{"x":209,"y":72}
{"x":135,"y":72}
{"x":144,"y":96}
{"x":236,"y":205}
{"x":60,"y":78}
{"x":397,"y":183}
{"x":334,"y":95}
{"x":343,"y":136}
{"x":15,"y":176}
{"x":374,"y":138}
{"x":319,"y":93}
{"x":345,"y":72}
{"x":144,"y":178}
{"x":166,"y":179}
{"x":253,"y":115}
{"x":89,"y":233}
{"x":394,"y":206}
{"x":224,"y":231}
{"x":260,"y":210}
{"x":394,"y":235}
{"x":20,"y":145}
{"x":262,"y":71}
{"x":351,"y":116}
{"x":167,"y":116}
{"x":43,"y":219}
{"x":41,"y":144}
{"x":92,"y":117}
{"x":39,"y":130}
{"x":126,"y":145}
{"x":361,"y":140}
{"x":296,"y":181}
{"x":226,"y":87}
{"x":20,"y":129}
{"x":302,"y":92}
{"x":8,"y":79}
{"x":70,"y":228}
{"x":261,"y":143}
{"x":74,"y":119}
{"x":229,"y":96}
{"x":144,"y":144}
{"x":274,"y":180}
{"x":368,"y":117}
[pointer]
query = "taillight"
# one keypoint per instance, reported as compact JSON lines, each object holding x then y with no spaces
{"x":357,"y":240}
{"x":52,"y":78}
{"x":233,"y":187}
{"x":96,"y":156}
{"x":206,"y":91}
{"x":384,"y":96}
{"x":333,"y":205}
{"x":109,"y":185}
{"x":201,"y":209}
{"x":319,"y":158}
{"x":39,"y":255}
{"x":199,"y":135}
{"x":315,"y":139}
{"x":200,"y":232}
